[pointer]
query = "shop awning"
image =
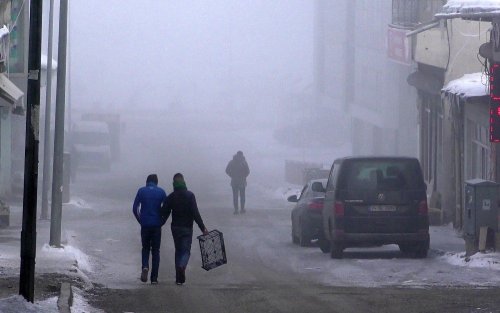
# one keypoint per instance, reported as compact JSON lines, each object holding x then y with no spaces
{"x":425,"y":82}
{"x":9,"y":91}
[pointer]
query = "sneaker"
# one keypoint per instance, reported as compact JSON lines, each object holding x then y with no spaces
{"x":144,"y":274}
{"x":243,"y":211}
{"x":178,"y":283}
{"x":154,"y":282}
{"x":178,"y":276}
{"x":235,"y":212}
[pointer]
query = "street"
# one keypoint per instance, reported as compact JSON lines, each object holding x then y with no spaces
{"x":265,"y":271}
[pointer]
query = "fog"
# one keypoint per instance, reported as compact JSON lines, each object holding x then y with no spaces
{"x":193,"y":81}
{"x":196,"y":81}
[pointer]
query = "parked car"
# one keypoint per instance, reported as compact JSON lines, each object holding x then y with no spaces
{"x":90,"y":146}
{"x":306,"y":215}
{"x":373,"y":201}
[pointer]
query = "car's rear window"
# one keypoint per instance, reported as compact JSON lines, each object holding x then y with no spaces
{"x":381,"y":174}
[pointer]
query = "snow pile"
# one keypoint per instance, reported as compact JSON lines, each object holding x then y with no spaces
{"x":79,"y":203}
{"x":469,"y":85}
{"x":457,"y":8}
{"x":17,"y":304}
{"x":80,"y":304}
{"x":67,"y":253}
{"x":282,"y":193}
{"x":479,"y":260}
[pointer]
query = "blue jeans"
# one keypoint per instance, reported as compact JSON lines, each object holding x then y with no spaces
{"x":151,"y":240}
{"x":183,"y":237}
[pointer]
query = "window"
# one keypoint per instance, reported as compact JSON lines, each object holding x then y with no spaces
{"x":333,"y":177}
{"x":479,"y":151}
{"x":17,"y":39}
{"x":410,"y":13}
{"x":390,"y":174}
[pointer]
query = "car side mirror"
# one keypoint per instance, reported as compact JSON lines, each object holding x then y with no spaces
{"x":293,"y":198}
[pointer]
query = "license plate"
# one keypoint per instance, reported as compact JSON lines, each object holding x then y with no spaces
{"x":383,"y":208}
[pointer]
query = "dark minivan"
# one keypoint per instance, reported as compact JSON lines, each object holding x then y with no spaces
{"x":373,"y":201}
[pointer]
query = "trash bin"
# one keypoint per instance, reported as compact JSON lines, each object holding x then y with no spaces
{"x":481,"y":210}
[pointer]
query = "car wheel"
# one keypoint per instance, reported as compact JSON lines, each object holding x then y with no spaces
{"x":304,"y":238}
{"x":421,"y":250}
{"x":336,"y":251}
{"x":417,"y":250}
{"x":295,"y":239}
{"x":405,"y":248}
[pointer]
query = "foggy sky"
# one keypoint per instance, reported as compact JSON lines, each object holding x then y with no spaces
{"x":194,"y":81}
{"x":152,"y":52}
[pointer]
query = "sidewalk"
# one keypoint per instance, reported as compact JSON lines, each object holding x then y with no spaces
{"x":53,"y":267}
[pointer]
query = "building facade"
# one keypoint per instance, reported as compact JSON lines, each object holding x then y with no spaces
{"x":452,"y":102}
{"x":396,"y":72}
{"x":14,"y":20}
{"x":354,"y":75}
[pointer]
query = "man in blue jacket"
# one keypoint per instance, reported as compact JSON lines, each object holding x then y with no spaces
{"x":147,"y":204}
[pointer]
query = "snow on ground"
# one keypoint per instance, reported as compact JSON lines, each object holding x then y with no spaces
{"x":65,"y":254}
{"x":368,"y":267}
{"x":489,"y":261}
{"x":80,"y":305}
{"x":67,"y":260}
{"x":282,"y":193}
{"x":17,"y":304}
{"x":77,"y":202}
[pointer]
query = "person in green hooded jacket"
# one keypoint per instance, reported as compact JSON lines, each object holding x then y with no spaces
{"x":182,"y":205}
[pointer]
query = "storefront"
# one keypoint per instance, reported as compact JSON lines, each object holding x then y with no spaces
{"x":467,"y":152}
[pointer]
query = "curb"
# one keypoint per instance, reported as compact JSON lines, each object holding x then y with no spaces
{"x":65,"y":300}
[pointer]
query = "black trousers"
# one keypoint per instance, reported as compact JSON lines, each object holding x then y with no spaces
{"x":238,"y":191}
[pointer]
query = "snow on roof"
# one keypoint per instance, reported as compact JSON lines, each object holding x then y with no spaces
{"x":470,"y":8}
{"x":469,"y":85}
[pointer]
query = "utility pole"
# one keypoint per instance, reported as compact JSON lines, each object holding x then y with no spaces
{"x":57,"y":182}
{"x":47,"y":140}
{"x":28,"y":232}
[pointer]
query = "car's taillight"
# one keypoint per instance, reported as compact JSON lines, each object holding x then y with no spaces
{"x":339,"y":208}
{"x":423,"y":209}
{"x":316,"y":205}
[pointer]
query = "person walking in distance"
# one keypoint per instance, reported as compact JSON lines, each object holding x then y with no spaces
{"x":238,"y":170}
{"x":182,"y":205}
{"x":146,"y":209}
